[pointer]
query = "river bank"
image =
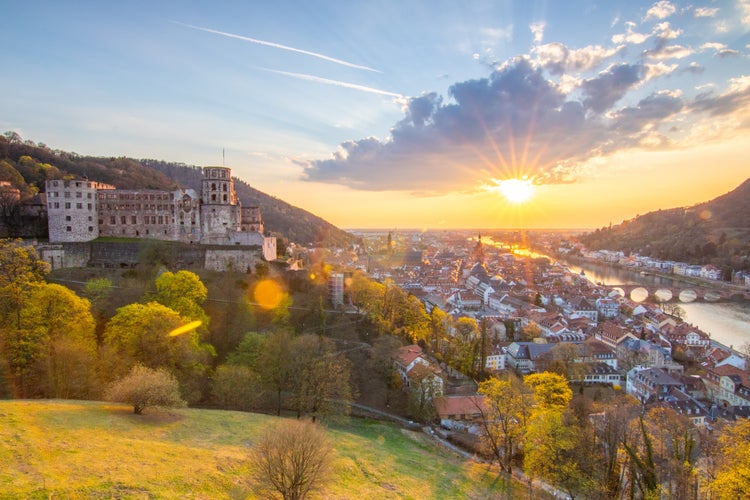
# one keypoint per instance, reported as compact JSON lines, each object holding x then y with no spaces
{"x":728,"y":323}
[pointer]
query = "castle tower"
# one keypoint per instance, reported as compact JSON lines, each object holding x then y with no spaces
{"x":220,"y":212}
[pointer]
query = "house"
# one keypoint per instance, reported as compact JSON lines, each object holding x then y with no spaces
{"x":607,"y":308}
{"x":711,"y":272}
{"x":417,"y":372}
{"x":524,"y":356}
{"x":495,"y":360}
{"x":727,"y":385}
{"x":460,"y":413}
{"x":601,"y":373}
{"x":686,"y":405}
{"x":581,"y":307}
{"x":596,"y":351}
{"x":651,"y":384}
{"x":687,"y":336}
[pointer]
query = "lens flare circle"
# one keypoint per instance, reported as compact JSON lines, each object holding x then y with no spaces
{"x":268,"y":294}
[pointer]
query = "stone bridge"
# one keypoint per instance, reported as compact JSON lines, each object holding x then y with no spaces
{"x":684,"y":293}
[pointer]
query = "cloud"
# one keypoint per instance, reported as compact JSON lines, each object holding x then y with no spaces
{"x":279,"y":46}
{"x":608,"y":87}
{"x":559,"y":59}
{"x":744,"y":7}
{"x":630,"y":36}
{"x":337,"y":83}
{"x":694,"y":68}
{"x":660,"y":10}
{"x":735,"y":99}
{"x":519,"y":122}
{"x":652,"y":71}
{"x":706,"y":12}
{"x":537,"y":29}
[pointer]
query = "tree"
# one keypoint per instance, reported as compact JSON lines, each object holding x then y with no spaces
{"x":293,"y":458}
{"x":236,"y":387}
{"x":549,"y":446}
{"x":20,"y":270}
{"x":381,"y":363}
{"x":733,"y":478}
{"x":320,"y":377}
{"x":551,"y":390}
{"x":249,"y":351}
{"x":145,"y":387}
{"x":273,"y":364}
{"x":140,"y":334}
{"x":183,"y":292}
{"x":504,"y":411}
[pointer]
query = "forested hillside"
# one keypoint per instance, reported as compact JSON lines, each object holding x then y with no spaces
{"x":717,"y":231}
{"x":27,"y":165}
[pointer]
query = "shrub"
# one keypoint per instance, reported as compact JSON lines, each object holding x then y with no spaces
{"x":145,"y":387}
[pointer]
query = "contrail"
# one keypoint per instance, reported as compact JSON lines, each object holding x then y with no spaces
{"x":279,"y":46}
{"x":337,"y":83}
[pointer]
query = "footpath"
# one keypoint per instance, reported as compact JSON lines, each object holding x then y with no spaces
{"x":444,"y":443}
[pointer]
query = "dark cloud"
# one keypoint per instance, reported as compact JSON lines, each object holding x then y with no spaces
{"x":602,"y":92}
{"x":652,"y":109}
{"x":736,"y":98}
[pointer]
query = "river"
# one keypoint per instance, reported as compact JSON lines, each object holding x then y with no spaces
{"x":727,"y":322}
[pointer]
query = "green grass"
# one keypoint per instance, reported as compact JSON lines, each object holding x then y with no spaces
{"x":75,"y":449}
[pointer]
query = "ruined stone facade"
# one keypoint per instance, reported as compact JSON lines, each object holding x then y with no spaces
{"x":81,"y":211}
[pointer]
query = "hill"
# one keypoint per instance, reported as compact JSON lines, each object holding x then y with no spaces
{"x":74,"y":449}
{"x":717,"y":231}
{"x":27,"y":165}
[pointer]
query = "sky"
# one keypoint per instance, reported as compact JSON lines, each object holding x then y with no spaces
{"x":393,"y":114}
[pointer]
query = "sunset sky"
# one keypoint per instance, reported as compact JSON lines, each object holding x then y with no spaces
{"x":396,"y":114}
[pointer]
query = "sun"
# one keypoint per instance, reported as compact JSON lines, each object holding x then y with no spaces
{"x":516,"y":191}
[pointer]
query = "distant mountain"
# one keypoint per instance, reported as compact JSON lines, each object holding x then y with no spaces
{"x":717,"y":231}
{"x":27,"y":165}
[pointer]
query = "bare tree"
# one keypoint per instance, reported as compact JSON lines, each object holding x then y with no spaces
{"x":293,"y":457}
{"x":145,"y":387}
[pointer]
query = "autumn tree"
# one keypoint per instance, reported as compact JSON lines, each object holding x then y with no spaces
{"x":20,"y":270}
{"x":145,"y":387}
{"x":381,"y":364}
{"x":551,"y":390}
{"x":65,"y":357}
{"x":98,"y":291}
{"x":504,"y":409}
{"x":733,"y":476}
{"x":293,"y":458}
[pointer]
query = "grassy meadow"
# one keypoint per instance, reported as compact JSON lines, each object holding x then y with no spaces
{"x":80,"y":449}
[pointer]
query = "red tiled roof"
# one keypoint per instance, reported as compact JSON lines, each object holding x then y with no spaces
{"x":458,"y":405}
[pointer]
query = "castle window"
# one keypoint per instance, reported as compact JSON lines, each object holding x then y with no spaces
{"x":89,"y":205}
{"x":68,"y":228}
{"x":79,"y":194}
{"x":161,"y":219}
{"x":213,"y":197}
{"x":112,"y":220}
{"x":67,"y":205}
{"x":88,"y":195}
{"x":225,"y":197}
{"x":79,"y":205}
{"x":91,"y":229}
{"x":225,"y":188}
{"x":67,"y":194}
{"x":67,"y":218}
{"x":57,"y":204}
{"x":133,"y":219}
{"x":123,"y":219}
{"x":213,"y":186}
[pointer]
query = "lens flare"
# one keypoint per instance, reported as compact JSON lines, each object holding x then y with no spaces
{"x":185,"y":328}
{"x":516,"y":190}
{"x":268,"y":294}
